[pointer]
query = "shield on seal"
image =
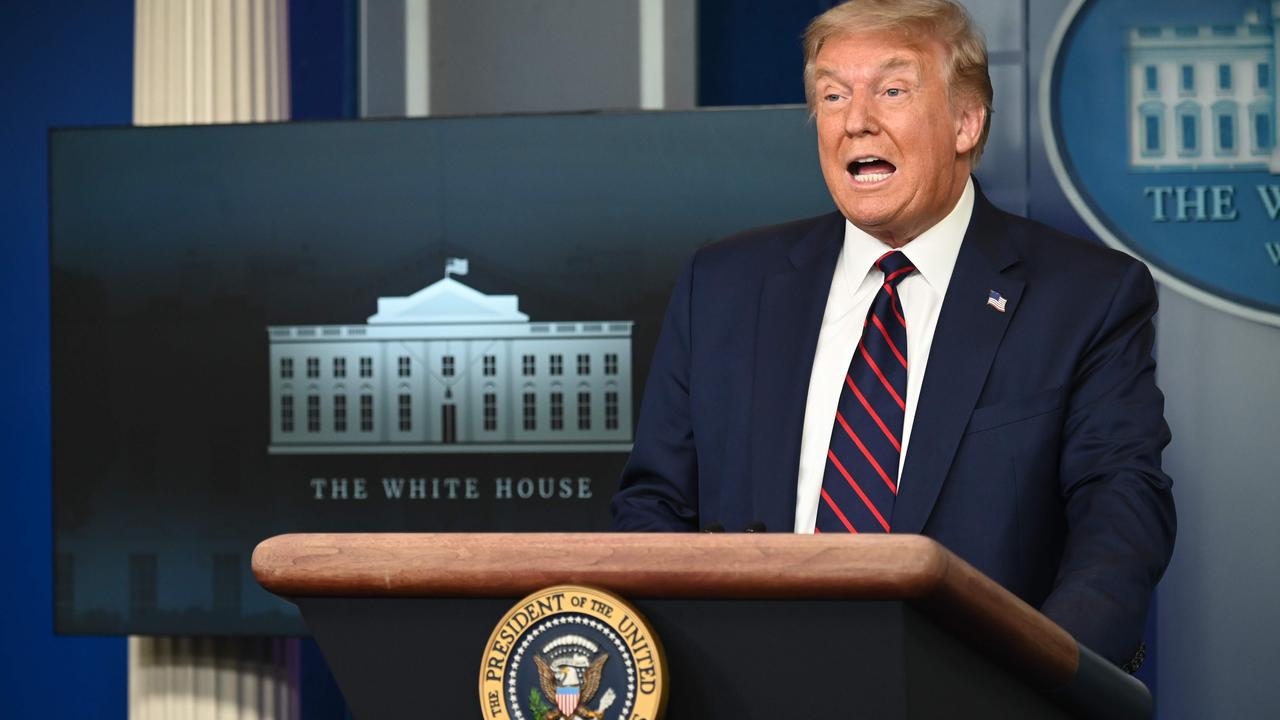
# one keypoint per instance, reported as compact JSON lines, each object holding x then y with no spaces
{"x":567,"y":700}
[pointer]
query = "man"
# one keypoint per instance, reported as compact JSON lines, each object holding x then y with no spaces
{"x":920,"y":361}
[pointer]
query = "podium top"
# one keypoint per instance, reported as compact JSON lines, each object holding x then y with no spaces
{"x":774,"y":566}
{"x":907,"y":568}
{"x":910,"y":568}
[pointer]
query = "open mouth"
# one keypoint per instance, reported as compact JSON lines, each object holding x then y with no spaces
{"x":871,"y":169}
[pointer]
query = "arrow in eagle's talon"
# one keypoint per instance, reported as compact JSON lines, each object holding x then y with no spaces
{"x":605,"y":701}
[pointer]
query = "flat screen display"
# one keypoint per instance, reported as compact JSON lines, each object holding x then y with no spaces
{"x":421,"y":325}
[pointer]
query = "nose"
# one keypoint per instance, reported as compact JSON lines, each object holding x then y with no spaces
{"x":860,"y":116}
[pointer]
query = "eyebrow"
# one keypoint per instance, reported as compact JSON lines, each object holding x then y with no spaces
{"x":897,"y":63}
{"x":890,"y":65}
{"x":823,"y":72}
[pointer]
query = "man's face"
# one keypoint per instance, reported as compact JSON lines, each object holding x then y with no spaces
{"x":893,"y":150}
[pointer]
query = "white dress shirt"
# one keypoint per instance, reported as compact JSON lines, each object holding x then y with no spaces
{"x":853,"y":287}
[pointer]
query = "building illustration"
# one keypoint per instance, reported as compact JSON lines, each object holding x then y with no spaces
{"x":447,"y":370}
{"x":1202,"y":97}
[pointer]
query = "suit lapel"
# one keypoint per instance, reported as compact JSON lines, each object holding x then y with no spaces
{"x":789,"y":321}
{"x":964,"y":345}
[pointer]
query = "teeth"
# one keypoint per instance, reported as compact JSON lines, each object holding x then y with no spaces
{"x":868,"y":159}
{"x":871,"y":177}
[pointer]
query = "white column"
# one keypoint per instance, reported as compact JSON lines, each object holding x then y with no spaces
{"x":210,"y":61}
{"x":202,"y":678}
{"x":197,"y":62}
{"x":652,"y":55}
{"x":417,"y":58}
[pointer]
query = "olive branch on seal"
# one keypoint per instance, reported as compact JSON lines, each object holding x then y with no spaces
{"x":538,"y":706}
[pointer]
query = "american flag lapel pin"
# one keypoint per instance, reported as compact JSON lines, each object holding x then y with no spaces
{"x":996,"y":301}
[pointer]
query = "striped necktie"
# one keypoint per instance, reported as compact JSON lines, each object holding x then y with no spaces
{"x":861,"y":477}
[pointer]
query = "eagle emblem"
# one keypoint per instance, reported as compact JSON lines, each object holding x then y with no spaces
{"x":569,"y":671}
{"x":571,"y":652}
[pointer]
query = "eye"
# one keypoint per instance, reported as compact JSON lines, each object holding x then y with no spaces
{"x":893,"y":92}
{"x":831,"y":97}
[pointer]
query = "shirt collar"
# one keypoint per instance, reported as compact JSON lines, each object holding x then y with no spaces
{"x":933,"y":252}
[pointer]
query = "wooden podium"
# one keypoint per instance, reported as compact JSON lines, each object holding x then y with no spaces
{"x":754,"y":625}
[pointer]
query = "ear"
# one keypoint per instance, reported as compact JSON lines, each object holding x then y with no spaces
{"x":969,"y":121}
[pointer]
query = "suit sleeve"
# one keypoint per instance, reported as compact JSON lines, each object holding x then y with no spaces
{"x":659,"y":487}
{"x":1119,"y":506}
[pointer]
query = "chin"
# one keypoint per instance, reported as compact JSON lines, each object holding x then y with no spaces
{"x":869,"y":219}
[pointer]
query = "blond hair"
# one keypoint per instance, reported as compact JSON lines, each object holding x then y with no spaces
{"x":919,"y":21}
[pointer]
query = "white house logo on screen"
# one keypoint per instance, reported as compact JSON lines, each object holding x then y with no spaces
{"x":450,"y":369}
{"x":1161,"y":128}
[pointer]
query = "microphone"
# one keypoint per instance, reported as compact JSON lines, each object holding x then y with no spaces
{"x":756,"y":527}
{"x":713,"y":528}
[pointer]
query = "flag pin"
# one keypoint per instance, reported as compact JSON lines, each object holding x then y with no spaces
{"x":996,"y":301}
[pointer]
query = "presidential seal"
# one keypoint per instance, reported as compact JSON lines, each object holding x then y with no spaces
{"x":573,"y":653}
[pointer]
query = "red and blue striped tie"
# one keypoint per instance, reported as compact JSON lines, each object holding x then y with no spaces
{"x":861,"y":479}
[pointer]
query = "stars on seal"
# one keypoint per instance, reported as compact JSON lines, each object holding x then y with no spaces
{"x":549,"y":625}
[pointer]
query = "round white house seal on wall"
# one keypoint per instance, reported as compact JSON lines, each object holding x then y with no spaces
{"x":573,"y":653}
{"x":1160,"y":124}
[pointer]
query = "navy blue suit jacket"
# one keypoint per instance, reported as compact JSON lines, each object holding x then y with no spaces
{"x":1035,"y":450}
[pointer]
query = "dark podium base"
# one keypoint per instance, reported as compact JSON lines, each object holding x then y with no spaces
{"x":730,"y":660}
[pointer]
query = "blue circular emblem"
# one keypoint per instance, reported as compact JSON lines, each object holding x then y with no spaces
{"x":573,"y":653}
{"x":586,"y":664}
{"x":1160,"y":123}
